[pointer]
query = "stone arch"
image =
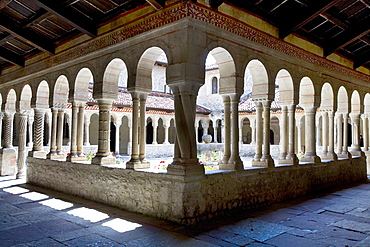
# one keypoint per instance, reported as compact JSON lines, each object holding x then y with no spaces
{"x":227,"y":69}
{"x":160,"y":130}
{"x":61,"y":90}
{"x":275,"y":127}
{"x":42,"y":95}
{"x":25,"y":99}
{"x":306,"y":93}
{"x":327,"y":97}
{"x":286,"y":88}
{"x":355,"y":102}
{"x":343,"y":102}
{"x":11,"y":99}
{"x":83,"y":81}
{"x":171,"y":131}
{"x":143,"y":80}
{"x":367,"y":103}
{"x":149,"y":130}
{"x":261,"y":88}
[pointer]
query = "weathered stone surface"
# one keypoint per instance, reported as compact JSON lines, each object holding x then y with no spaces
{"x":186,"y":201}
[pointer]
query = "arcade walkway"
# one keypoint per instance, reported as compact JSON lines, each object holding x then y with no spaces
{"x":33,"y":216}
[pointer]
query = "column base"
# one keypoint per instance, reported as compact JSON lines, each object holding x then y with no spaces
{"x":357,"y":153}
{"x":310,"y":159}
{"x":188,"y":168}
{"x":267,"y":163}
{"x":292,"y":159}
{"x":233,"y":164}
{"x":99,"y":160}
{"x":329,"y":156}
{"x":344,"y":155}
{"x":55,"y":156}
{"x":8,"y":161}
{"x":37,"y":154}
{"x":137,"y":164}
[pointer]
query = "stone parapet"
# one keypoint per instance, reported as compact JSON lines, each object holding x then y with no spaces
{"x":188,"y":201}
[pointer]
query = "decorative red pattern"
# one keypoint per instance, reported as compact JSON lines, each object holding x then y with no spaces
{"x":195,"y":11}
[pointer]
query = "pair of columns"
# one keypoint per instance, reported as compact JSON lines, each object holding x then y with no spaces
{"x":328,"y":136}
{"x":138,"y":151}
{"x":262,"y":157}
{"x":231,"y":159}
{"x":287,"y":142}
{"x":57,"y":120}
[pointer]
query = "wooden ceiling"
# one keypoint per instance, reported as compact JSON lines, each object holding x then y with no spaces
{"x":28,"y":27}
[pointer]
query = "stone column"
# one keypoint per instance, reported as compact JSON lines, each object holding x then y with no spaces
{"x":53,"y":143}
{"x":1,"y":127}
{"x":135,"y":161}
{"x":215,"y":134}
{"x":310,"y":137}
{"x":103,"y":155}
{"x":241,"y":133}
{"x":235,"y":163}
{"x":165,"y":134}
{"x":253,"y":127}
{"x":129,"y":143}
{"x":60,"y":132}
{"x":22,"y":136}
{"x":227,"y":133}
{"x":259,"y":133}
{"x":366,"y":132}
{"x":8,"y":129}
{"x":267,"y":159}
{"x":117,"y":138}
{"x":319,"y":133}
{"x":155,"y":131}
{"x":355,"y":148}
{"x":38,"y":134}
{"x":331,"y":154}
{"x":283,"y":135}
{"x":80,"y":130}
{"x":345,"y":153}
{"x":299,"y":139}
{"x":291,"y":157}
{"x":30,"y":131}
{"x":340,"y":134}
{"x":325,"y":134}
{"x":74,"y":119}
{"x":87,"y":132}
{"x":142,"y":146}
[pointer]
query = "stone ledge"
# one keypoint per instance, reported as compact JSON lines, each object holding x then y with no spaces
{"x":176,"y":199}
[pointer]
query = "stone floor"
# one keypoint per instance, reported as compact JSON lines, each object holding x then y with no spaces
{"x":33,"y":216}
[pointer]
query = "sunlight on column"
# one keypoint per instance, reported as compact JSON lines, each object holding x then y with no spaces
{"x":88,"y":214}
{"x":16,"y":190}
{"x":57,"y":204}
{"x":34,"y":196}
{"x":121,"y":225}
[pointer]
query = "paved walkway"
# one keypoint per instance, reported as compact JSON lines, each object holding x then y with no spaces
{"x":33,"y":216}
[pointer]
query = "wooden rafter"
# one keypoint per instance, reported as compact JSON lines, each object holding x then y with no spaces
{"x":77,"y":20}
{"x":157,"y":4}
{"x":361,"y":60}
{"x":25,"y":35}
{"x":11,"y":57}
{"x":356,"y":32}
{"x":290,"y":26}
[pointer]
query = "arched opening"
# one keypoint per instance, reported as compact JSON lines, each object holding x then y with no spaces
{"x":149,"y":131}
{"x":275,"y":127}
{"x":171,"y":132}
{"x":219,"y":130}
{"x":160,"y":133}
{"x":112,"y":137}
{"x":214,"y":85}
{"x":66,"y":130}
{"x":211,"y":130}
{"x":200,"y":132}
{"x":124,"y":135}
{"x":246,"y":131}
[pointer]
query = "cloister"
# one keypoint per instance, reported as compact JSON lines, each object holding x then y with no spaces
{"x":144,"y":90}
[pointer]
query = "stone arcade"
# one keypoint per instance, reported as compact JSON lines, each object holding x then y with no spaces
{"x":51,"y":106}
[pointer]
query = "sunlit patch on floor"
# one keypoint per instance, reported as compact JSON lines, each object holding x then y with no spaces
{"x":57,"y":204}
{"x":121,"y":225}
{"x":35,"y":196}
{"x":16,"y":190}
{"x":88,"y":214}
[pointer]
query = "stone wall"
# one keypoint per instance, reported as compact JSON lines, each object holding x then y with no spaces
{"x":190,"y":200}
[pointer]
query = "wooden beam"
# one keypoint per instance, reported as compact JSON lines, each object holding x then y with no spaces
{"x":11,"y":57}
{"x":357,"y":32}
{"x":157,"y":4}
{"x":75,"y":19}
{"x":215,"y":3}
{"x":361,"y":60}
{"x":4,"y":3}
{"x":25,"y":35}
{"x":290,"y":25}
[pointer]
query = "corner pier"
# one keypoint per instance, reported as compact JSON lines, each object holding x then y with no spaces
{"x":186,"y":200}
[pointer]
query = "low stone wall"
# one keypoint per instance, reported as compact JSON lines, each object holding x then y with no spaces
{"x":188,"y":201}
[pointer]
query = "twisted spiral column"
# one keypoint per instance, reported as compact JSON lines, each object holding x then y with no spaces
{"x":8,"y":129}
